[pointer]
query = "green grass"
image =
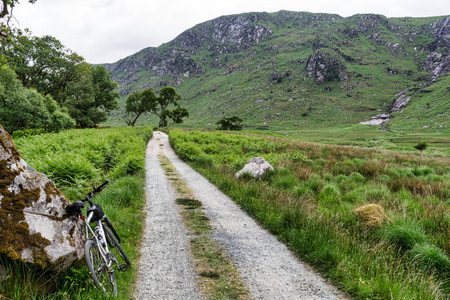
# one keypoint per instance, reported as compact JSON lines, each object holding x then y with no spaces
{"x":309,"y":202}
{"x":76,"y":160}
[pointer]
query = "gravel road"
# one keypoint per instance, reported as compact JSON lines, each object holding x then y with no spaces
{"x":166,"y":266}
{"x":268,"y":268}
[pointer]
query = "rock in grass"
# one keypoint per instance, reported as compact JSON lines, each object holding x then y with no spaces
{"x":34,"y":227}
{"x":256,"y":167}
{"x":372,"y":215}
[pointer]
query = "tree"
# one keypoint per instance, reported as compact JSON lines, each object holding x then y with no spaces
{"x":42,"y":63}
{"x":23,"y":108}
{"x":141,"y":102}
{"x":89,"y":97}
{"x":167,"y":96}
{"x":6,"y":7}
{"x":178,"y":114}
{"x":230,"y":123}
{"x":421,"y":147}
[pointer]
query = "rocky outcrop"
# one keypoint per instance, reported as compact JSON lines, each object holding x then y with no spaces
{"x":33,"y":225}
{"x":172,"y":63}
{"x":438,"y":61}
{"x":235,"y":31}
{"x":326,"y":65}
{"x":256,"y":167}
{"x":398,"y":105}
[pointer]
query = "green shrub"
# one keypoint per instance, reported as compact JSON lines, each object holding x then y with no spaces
{"x":189,"y":151}
{"x":205,"y":161}
{"x":422,"y":171}
{"x":285,"y":181}
{"x":356,"y":177}
{"x":404,"y":233}
{"x":129,"y":165}
{"x":68,"y":168}
{"x":330,"y":194}
{"x":377,"y":193}
{"x":429,"y":257}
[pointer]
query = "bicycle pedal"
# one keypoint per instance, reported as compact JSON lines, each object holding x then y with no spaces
{"x":123,"y":267}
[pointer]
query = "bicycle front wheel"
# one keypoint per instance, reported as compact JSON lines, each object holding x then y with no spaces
{"x":104,"y":277}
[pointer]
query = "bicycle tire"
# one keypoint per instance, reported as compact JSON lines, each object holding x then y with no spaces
{"x":104,"y":279}
{"x":113,"y":243}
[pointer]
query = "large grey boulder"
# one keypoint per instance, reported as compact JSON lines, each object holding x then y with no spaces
{"x":34,"y":227}
{"x":256,"y":167}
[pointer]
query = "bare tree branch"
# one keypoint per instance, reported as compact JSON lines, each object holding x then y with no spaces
{"x":4,"y":9}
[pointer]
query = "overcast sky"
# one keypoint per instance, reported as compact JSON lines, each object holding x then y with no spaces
{"x":104,"y":31}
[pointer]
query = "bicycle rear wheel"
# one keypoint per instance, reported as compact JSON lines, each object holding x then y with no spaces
{"x":113,"y":243}
{"x":103,"y":276}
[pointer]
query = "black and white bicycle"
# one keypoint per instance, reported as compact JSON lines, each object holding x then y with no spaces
{"x":99,"y":259}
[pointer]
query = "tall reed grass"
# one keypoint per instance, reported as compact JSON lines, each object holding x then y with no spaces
{"x":309,"y":202}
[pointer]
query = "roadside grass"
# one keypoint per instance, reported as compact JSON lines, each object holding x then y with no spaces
{"x":76,"y":160}
{"x":309,"y":201}
{"x":217,"y":277}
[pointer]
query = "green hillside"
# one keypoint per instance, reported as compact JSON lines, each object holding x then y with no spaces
{"x":293,"y":71}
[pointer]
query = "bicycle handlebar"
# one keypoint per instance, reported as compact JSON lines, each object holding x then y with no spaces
{"x":100,"y":188}
{"x":95,"y":191}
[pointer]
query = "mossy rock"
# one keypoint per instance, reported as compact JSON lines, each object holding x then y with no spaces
{"x":34,"y":227}
{"x":372,"y":215}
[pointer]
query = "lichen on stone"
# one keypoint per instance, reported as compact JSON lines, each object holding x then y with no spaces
{"x":33,"y":223}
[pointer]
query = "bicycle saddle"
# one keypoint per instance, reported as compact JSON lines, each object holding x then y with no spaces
{"x":74,"y":208}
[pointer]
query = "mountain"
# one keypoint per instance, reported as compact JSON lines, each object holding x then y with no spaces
{"x":288,"y":69}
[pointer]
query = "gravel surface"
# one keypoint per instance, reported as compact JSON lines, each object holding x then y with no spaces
{"x":166,"y":265}
{"x":268,"y":268}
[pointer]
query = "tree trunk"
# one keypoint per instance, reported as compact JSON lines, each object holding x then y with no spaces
{"x":135,"y":119}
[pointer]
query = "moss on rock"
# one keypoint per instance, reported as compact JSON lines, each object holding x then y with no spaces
{"x":372,"y":215}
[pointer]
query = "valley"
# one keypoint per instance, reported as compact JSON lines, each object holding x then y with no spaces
{"x":292,"y":72}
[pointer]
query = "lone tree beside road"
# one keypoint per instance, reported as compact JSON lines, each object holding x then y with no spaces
{"x":141,"y":102}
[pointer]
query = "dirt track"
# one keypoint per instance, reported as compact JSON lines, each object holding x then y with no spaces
{"x":166,"y":270}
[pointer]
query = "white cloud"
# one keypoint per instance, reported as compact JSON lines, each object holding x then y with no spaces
{"x":108,"y":30}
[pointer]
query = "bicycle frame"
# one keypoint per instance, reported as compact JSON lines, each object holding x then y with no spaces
{"x":90,"y":234}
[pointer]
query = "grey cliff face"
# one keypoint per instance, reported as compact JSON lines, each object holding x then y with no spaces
{"x":438,"y":61}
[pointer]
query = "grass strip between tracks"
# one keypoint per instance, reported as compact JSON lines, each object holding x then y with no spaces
{"x":217,"y":277}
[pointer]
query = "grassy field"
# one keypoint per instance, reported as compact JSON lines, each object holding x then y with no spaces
{"x":310,"y":203}
{"x":76,"y":160}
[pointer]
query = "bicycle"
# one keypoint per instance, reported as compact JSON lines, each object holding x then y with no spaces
{"x":99,"y":259}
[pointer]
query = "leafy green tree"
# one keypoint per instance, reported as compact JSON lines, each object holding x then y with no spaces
{"x":421,"y":147}
{"x":52,"y":69}
{"x":230,"y":123}
{"x":178,"y":114}
{"x":104,"y":86}
{"x":139,"y":103}
{"x":23,"y":108}
{"x":146,"y":101}
{"x":42,"y":63}
{"x":89,"y":97}
{"x":167,"y":96}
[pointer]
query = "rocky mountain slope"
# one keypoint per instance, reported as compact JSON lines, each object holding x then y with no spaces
{"x":290,"y":69}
